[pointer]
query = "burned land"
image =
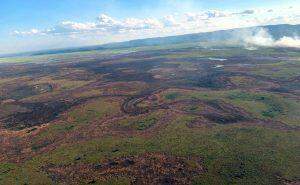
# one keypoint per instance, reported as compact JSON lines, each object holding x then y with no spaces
{"x":181,"y":115}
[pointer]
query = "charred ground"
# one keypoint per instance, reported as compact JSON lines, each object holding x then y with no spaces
{"x":156,"y":116}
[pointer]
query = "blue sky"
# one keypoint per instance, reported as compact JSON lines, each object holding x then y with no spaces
{"x":43,"y":24}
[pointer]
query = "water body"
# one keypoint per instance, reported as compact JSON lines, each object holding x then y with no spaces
{"x":217,"y":59}
{"x":218,"y":66}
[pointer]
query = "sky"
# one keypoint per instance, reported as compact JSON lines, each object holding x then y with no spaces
{"x":47,"y":24}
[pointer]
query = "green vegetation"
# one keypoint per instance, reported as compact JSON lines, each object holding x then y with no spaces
{"x":141,"y":122}
{"x":151,"y":102}
{"x":272,"y":106}
{"x":172,"y":96}
{"x":94,"y":110}
{"x":232,"y":154}
{"x":261,"y":105}
{"x":77,"y":118}
{"x":280,"y":70}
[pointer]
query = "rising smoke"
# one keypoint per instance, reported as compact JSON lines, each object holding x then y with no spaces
{"x":261,"y":37}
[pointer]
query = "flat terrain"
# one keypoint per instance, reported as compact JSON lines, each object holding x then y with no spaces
{"x":173,"y":115}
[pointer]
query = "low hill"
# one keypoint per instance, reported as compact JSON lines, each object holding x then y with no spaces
{"x":275,"y":31}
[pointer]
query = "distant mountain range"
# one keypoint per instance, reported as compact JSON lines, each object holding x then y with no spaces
{"x":275,"y":31}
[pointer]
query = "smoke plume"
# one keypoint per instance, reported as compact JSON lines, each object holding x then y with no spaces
{"x":261,"y":37}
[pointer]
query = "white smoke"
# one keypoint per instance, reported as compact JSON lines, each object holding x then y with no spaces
{"x":261,"y":37}
{"x":288,"y":42}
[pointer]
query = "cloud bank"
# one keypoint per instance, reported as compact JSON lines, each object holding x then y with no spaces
{"x":177,"y":23}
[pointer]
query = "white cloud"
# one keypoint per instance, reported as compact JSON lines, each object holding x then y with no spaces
{"x":168,"y":25}
{"x":212,"y":14}
{"x":246,"y":12}
{"x":104,"y":24}
{"x":105,"y":20}
{"x":140,"y":24}
{"x":30,"y":32}
{"x":77,"y":26}
{"x":170,"y":21}
{"x":216,"y":14}
{"x":69,"y":27}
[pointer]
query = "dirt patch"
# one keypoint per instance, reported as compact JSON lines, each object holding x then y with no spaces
{"x":149,"y":168}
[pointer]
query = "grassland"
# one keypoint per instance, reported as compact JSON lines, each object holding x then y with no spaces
{"x":167,"y":115}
